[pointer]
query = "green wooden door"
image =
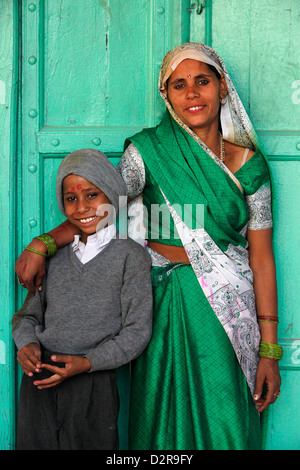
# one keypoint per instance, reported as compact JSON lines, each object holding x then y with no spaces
{"x":8,"y":184}
{"x":88,"y":74}
{"x":259,"y":42}
{"x":89,"y":80}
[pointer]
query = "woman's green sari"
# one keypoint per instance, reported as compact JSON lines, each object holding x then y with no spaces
{"x":188,"y":390}
{"x":192,"y":387}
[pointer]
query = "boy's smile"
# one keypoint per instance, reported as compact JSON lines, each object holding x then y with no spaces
{"x":85,"y":205}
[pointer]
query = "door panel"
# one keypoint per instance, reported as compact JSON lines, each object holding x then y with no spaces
{"x":96,"y":52}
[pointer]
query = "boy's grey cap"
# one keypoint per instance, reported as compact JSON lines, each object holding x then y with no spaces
{"x":95,"y":167}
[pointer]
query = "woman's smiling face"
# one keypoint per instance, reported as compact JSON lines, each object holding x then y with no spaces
{"x":194,"y":91}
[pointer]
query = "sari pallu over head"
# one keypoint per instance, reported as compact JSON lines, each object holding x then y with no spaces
{"x":188,"y":173}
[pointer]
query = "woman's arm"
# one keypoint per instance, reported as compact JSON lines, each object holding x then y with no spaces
{"x":30,"y":267}
{"x":262,"y":263}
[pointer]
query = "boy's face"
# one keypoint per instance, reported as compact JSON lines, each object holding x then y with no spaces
{"x":81,"y":201}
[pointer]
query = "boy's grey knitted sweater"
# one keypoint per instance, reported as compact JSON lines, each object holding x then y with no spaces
{"x":101,"y":309}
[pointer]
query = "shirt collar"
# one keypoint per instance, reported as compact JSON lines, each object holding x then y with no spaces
{"x":100,"y":238}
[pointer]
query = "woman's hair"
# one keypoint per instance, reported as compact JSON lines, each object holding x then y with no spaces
{"x":212,"y":68}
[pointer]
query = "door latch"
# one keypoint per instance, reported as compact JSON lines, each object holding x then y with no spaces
{"x":199,"y":7}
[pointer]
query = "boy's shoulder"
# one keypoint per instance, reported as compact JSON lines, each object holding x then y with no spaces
{"x":120,"y":249}
{"x":61,"y":253}
{"x":132,"y":248}
{"x":59,"y":257}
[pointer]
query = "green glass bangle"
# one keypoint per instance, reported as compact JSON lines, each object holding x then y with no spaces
{"x":268,"y":321}
{"x":49,"y":242}
{"x":35,"y":251}
{"x":269,"y":350}
{"x":270,"y":345}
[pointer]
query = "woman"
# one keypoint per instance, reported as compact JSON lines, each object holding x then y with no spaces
{"x":199,"y":383}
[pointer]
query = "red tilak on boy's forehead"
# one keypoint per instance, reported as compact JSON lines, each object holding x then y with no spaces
{"x":79,"y":186}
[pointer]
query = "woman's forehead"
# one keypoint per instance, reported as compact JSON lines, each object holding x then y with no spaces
{"x":191,"y":66}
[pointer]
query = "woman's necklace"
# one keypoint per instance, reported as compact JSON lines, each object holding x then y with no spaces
{"x":222,"y":148}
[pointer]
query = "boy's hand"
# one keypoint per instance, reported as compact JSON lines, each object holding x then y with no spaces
{"x":29,"y":358}
{"x":73,"y":365}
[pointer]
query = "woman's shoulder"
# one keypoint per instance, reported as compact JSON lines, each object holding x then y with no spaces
{"x":140,"y":138}
{"x":132,"y":169}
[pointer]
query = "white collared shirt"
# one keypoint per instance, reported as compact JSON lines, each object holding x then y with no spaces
{"x":94,"y":245}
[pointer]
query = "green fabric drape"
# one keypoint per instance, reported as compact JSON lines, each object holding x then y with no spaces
{"x":188,"y":175}
{"x":188,"y":390}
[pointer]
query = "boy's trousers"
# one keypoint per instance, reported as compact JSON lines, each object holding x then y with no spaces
{"x":79,"y":414}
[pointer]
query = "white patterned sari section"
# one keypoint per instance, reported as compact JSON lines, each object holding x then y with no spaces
{"x":260,"y":208}
{"x":226,"y":280}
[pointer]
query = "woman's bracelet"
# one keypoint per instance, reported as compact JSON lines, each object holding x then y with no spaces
{"x":271,"y":351}
{"x":35,"y":251}
{"x":268,"y":318}
{"x":49,"y":242}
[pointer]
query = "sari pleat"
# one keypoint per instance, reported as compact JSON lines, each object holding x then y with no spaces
{"x":188,"y":390}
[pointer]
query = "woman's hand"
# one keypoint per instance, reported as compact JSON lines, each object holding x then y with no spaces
{"x":267,"y":372}
{"x":73,"y":365}
{"x":30,"y":267}
{"x":29,"y":358}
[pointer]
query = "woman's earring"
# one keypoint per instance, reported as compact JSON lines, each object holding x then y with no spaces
{"x":223,"y":101}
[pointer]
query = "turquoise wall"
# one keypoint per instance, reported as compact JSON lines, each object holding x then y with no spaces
{"x":8,"y":214}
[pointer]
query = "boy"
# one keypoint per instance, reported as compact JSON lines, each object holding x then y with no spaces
{"x":92,"y":316}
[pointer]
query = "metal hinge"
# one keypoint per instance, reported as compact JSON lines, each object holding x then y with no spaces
{"x":199,"y":7}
